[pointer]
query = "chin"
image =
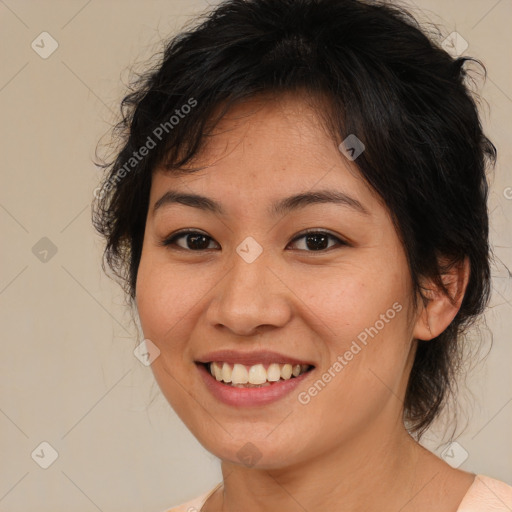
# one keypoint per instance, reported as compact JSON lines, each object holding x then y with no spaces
{"x":253,"y":453}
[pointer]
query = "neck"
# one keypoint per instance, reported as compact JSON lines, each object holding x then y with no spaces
{"x":376,"y":466}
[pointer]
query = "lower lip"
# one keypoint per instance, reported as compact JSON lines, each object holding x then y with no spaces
{"x":231,"y":395}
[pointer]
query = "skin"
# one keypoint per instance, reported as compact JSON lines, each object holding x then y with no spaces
{"x":347,"y":445}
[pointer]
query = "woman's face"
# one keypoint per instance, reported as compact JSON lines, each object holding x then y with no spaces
{"x":339,"y":300}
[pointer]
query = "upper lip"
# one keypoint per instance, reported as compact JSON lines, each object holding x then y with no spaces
{"x":249,"y":358}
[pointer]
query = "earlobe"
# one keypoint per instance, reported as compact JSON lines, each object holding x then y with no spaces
{"x":436,"y":312}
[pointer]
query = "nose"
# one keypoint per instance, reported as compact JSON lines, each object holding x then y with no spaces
{"x":252,"y":297}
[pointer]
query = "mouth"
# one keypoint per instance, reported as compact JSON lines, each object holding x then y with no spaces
{"x":251,"y":383}
{"x":259,"y":375}
{"x":251,"y":378}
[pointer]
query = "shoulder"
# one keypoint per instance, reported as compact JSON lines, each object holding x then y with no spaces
{"x":195,"y":504}
{"x":487,"y":494}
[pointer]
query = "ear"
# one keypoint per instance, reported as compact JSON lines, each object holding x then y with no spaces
{"x":438,"y":312}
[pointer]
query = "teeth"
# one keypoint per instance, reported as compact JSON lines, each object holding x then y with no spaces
{"x":286,"y":371}
{"x":226,"y":372}
{"x":257,"y":374}
{"x":243,"y":376}
{"x":217,"y":372}
{"x":273,"y":372}
{"x":240,"y":374}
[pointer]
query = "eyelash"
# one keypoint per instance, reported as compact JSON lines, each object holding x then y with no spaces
{"x":169,"y":241}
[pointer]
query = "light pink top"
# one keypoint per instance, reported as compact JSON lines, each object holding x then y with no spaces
{"x":485,"y":495}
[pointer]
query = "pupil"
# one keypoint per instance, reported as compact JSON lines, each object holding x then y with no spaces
{"x":194,"y":238}
{"x":317,"y":245}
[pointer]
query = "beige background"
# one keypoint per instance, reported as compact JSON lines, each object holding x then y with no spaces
{"x":69,"y":376}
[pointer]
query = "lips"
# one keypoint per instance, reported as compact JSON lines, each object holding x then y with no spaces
{"x":265,"y":357}
{"x":249,"y":395}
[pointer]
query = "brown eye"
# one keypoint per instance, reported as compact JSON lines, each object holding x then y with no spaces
{"x":194,"y":241}
{"x":316,"y":241}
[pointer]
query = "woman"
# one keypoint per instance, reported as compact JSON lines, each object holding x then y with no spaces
{"x":298,"y":211}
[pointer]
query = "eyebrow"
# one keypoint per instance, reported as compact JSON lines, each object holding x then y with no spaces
{"x":280,"y":207}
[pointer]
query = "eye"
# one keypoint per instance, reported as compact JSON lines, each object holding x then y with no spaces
{"x":315,"y":241}
{"x":195,"y":241}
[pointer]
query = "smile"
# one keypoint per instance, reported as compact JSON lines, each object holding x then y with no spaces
{"x":257,"y":375}
{"x":242,"y":391}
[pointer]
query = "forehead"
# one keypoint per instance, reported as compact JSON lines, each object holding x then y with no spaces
{"x":267,"y":147}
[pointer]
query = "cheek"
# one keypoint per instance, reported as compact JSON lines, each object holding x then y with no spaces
{"x":165,"y":304}
{"x":362,"y":319}
{"x":351,"y":300}
{"x":165,"y":296}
